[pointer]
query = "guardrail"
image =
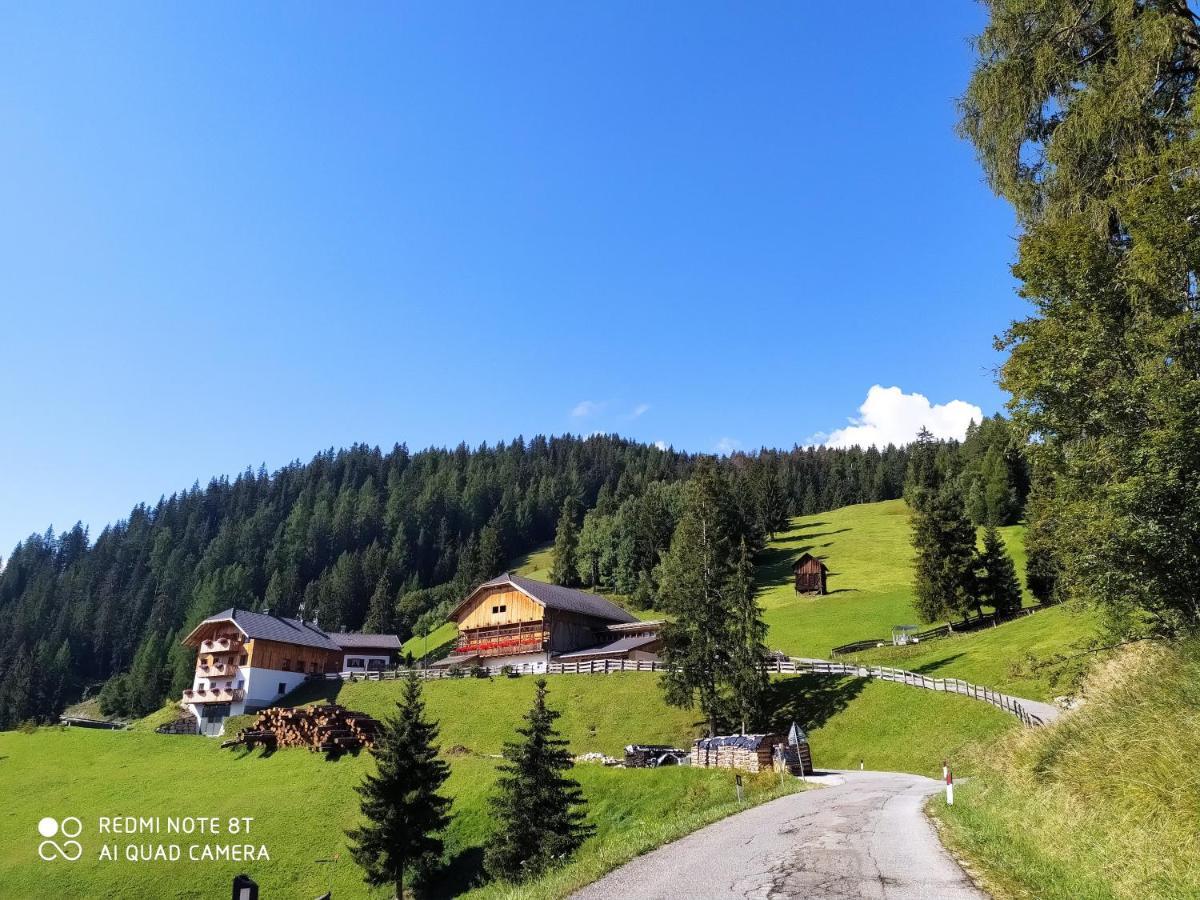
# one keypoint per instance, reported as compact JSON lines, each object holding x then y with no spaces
{"x":779,"y":666}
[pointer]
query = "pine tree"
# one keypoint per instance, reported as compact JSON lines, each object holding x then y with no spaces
{"x":538,"y":809}
{"x":405,"y":814}
{"x":566,"y":547}
{"x":694,"y":588}
{"x":944,"y":540}
{"x":997,"y":578}
{"x":748,"y":678}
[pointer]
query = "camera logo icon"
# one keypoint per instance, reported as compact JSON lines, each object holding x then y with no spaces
{"x":69,"y":849}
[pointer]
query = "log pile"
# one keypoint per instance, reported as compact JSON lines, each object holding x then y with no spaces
{"x":324,"y":729}
{"x":749,"y":752}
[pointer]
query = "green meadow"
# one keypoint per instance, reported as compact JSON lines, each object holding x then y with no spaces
{"x":302,"y":803}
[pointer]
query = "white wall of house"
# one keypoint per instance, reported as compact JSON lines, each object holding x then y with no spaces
{"x":263,"y":685}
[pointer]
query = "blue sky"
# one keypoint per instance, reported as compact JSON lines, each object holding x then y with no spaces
{"x":236,"y":235}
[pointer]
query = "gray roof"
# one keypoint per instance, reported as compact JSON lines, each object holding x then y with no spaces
{"x":274,"y":628}
{"x":745,"y":741}
{"x":355,"y":641}
{"x":454,"y":659}
{"x":624,"y":645}
{"x":552,"y":596}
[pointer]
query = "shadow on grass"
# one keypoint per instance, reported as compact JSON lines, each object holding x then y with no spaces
{"x":775,"y":563}
{"x":936,"y":664}
{"x":808,"y":700}
{"x":462,"y":872}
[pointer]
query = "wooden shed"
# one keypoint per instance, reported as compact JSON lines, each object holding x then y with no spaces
{"x":810,"y":575}
{"x":748,"y":752}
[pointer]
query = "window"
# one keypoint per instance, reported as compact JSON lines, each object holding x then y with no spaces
{"x":496,"y":610}
{"x":242,"y":660}
{"x":282,"y":688}
{"x":376,"y":665}
{"x":287,"y":665}
{"x":312,"y":668}
{"x":354,"y":662}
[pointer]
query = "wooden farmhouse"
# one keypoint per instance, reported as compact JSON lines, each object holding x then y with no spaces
{"x":248,"y":660}
{"x":810,"y":574}
{"x":516,"y":621}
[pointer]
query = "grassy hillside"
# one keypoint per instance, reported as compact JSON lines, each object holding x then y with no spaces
{"x":1103,"y":805}
{"x":536,"y":564}
{"x":868,"y":551}
{"x":1039,"y":656}
{"x":88,"y":774}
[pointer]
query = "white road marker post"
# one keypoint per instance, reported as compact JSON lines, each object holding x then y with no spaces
{"x":949,"y":786}
{"x":862,"y":764}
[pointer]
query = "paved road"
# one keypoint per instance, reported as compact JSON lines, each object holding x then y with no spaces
{"x":865,"y":837}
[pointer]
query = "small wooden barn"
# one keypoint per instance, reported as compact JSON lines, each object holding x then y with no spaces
{"x":810,"y":575}
{"x":748,"y":752}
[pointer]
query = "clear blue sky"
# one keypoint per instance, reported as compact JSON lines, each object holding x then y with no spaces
{"x":238,"y":235}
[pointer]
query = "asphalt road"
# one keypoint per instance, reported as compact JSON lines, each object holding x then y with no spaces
{"x":864,"y":836}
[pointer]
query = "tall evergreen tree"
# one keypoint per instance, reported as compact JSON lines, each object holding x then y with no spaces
{"x":944,"y":540}
{"x":695,"y":590}
{"x":1085,"y":117}
{"x":540,"y":811}
{"x":565,"y":570}
{"x":748,"y":649}
{"x":996,"y":580}
{"x":405,"y":813}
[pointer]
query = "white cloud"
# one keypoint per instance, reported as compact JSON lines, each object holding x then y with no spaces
{"x":661,"y":445}
{"x":640,"y":410}
{"x":727,"y":445}
{"x":890,"y":416}
{"x":586,"y":408}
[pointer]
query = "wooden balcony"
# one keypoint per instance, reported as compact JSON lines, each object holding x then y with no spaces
{"x":222,"y":645}
{"x":502,"y":640}
{"x":216,"y":669}
{"x":213,"y":695}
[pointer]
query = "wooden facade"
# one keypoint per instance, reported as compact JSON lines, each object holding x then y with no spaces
{"x":502,"y":620}
{"x":810,"y":574}
{"x":264,"y":654}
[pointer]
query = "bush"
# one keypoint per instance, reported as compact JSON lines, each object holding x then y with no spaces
{"x":479,"y":672}
{"x":509,"y":671}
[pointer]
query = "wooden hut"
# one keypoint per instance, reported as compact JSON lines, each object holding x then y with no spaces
{"x":810,"y":575}
{"x":748,"y":752}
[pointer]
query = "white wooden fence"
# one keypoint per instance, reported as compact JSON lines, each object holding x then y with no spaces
{"x":781,"y":666}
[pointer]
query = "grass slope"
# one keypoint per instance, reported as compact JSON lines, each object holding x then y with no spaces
{"x":302,"y":803}
{"x":870,"y":557}
{"x":1102,"y":805}
{"x":1039,"y":656}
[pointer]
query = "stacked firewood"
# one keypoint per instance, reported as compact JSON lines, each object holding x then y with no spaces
{"x":327,"y":729}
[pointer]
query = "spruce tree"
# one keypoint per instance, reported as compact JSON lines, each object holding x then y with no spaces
{"x":694,"y":589}
{"x":944,"y":540}
{"x":747,"y":678}
{"x":566,"y":547}
{"x":405,"y":814}
{"x":539,"y":810}
{"x":997,"y":577}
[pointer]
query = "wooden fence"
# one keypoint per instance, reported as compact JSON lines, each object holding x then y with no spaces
{"x":780,"y":666}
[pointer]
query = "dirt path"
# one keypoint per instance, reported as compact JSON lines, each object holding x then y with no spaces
{"x":864,"y":836}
